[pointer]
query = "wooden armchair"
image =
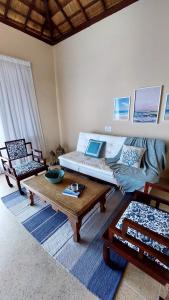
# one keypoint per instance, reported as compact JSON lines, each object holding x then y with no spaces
{"x":140,"y":233}
{"x":20,"y":161}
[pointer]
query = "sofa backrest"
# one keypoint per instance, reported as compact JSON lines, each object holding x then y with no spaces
{"x":112,"y":147}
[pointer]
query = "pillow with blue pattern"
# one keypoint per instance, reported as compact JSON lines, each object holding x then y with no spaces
{"x":131,"y":156}
{"x":94,"y":148}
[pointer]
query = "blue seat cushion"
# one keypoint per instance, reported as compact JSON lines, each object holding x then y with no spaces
{"x":149,"y":217}
{"x":28,"y":166}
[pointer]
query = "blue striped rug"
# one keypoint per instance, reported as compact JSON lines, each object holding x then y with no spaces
{"x":84,"y":260}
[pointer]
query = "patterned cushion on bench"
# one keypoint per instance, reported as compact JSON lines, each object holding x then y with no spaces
{"x":149,"y":217}
{"x":27,"y":166}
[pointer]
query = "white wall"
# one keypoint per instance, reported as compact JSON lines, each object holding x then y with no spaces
{"x":127,"y":50}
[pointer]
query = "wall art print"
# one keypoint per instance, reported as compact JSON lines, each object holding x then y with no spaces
{"x":146,"y":105}
{"x":166,"y":113}
{"x":121,"y":108}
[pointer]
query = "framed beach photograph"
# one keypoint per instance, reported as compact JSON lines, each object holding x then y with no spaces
{"x":166,"y":113}
{"x":121,"y":108}
{"x":147,"y":104}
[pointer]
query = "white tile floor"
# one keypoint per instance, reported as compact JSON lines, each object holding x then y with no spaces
{"x":27,"y":272}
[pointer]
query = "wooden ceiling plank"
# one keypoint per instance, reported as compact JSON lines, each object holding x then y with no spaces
{"x":83,"y":10}
{"x":21,"y":14}
{"x":38,"y":10}
{"x":65,"y":15}
{"x":95,"y":19}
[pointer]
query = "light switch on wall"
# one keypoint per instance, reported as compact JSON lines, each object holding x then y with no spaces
{"x":107,"y":128}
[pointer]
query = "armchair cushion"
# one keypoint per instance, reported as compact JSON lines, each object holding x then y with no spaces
{"x":151,"y":218}
{"x":28,"y":166}
{"x":16,"y":149}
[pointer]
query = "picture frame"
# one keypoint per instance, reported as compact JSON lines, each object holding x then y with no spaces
{"x":166,"y":112}
{"x":121,"y":110}
{"x":147,"y":104}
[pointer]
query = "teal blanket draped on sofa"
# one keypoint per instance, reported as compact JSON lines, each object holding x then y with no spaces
{"x":153,"y":163}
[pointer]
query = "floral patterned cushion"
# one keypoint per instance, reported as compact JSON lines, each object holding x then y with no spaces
{"x":16,"y":149}
{"x":131,"y":156}
{"x":149,"y":217}
{"x":26,"y":167}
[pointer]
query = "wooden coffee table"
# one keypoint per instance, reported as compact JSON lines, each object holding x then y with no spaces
{"x":74,"y":208}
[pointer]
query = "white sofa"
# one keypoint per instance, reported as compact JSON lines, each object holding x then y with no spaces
{"x":94,"y":167}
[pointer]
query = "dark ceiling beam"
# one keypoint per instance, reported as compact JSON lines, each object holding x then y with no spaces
{"x":95,"y":19}
{"x":74,"y":14}
{"x":28,"y":14}
{"x":7,"y":7}
{"x":91,"y":3}
{"x":51,"y":23}
{"x":103,"y":4}
{"x":66,"y":2}
{"x":83,"y":10}
{"x":48,"y":18}
{"x":81,"y":7}
{"x":17,"y":25}
{"x":65,"y":15}
{"x":35,"y":8}
{"x":43,"y":27}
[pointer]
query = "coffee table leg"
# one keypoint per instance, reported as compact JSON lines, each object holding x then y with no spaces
{"x":106,"y":254}
{"x":76,"y":224}
{"x":102,"y":205}
{"x":30,"y":197}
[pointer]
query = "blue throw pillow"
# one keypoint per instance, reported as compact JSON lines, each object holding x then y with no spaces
{"x":94,"y":148}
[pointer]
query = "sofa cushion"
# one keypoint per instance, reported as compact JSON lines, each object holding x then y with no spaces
{"x":149,"y":217}
{"x":91,"y":166}
{"x":113,"y":144}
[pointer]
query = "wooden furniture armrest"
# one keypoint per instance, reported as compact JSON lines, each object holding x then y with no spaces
{"x":149,"y":185}
{"x":127,"y":223}
{"x":38,"y":153}
{"x":146,"y":198}
{"x":8,"y":168}
{"x":39,"y":156}
{"x":4,"y":158}
{"x":6,"y":161}
{"x":143,"y":247}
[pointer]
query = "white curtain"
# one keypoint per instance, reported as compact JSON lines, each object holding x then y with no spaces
{"x":2,"y":139}
{"x":18,"y":104}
